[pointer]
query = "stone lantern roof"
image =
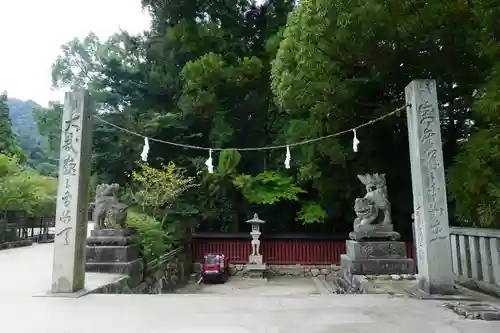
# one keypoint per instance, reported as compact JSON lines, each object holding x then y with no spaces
{"x":255,"y":220}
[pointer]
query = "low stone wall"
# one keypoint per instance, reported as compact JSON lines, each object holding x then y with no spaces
{"x":166,"y":277}
{"x":395,"y":277}
{"x":162,"y":275}
{"x":303,"y":270}
{"x":284,"y":270}
{"x":120,"y":286}
{"x":16,"y":243}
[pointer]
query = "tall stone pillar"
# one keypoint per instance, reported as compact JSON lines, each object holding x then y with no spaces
{"x":429,"y":188}
{"x":68,"y":274}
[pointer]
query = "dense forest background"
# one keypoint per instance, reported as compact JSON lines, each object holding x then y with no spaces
{"x":239,"y":74}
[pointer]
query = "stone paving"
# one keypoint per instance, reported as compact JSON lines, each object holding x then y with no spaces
{"x":282,"y":306}
{"x":28,"y":271}
{"x":232,"y":313}
{"x":278,"y":286}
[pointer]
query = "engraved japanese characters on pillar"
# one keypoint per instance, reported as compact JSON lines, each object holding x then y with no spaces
{"x":71,"y":136}
{"x":430,"y":143}
{"x":65,"y":232}
{"x":72,"y":194}
{"x":429,"y":187}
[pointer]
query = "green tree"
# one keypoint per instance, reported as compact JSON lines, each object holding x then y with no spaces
{"x":7,"y":136}
{"x":49,"y":123}
{"x":474,"y":180}
{"x":8,"y":139}
{"x":151,"y":84}
{"x":158,"y":189}
{"x":341,"y":63}
{"x":240,"y":74}
{"x":24,"y":127}
{"x":22,"y":188}
{"x":154,"y":192}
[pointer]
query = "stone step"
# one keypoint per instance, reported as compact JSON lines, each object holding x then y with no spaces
{"x":131,"y":268}
{"x":106,"y":253}
{"x":376,"y":266}
{"x":110,"y":240}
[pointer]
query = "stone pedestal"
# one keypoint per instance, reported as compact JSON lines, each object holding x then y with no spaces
{"x":255,"y":259}
{"x":375,"y":258}
{"x":255,"y":267}
{"x":113,"y":251}
{"x":255,"y":271}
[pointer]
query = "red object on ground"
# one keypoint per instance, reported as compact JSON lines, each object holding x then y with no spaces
{"x":215,"y":267}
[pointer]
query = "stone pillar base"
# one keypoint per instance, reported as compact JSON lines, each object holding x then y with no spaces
{"x":113,"y":251}
{"x":375,"y":258}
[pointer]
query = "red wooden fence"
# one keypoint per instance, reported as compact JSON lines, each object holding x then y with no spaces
{"x":277,"y":251}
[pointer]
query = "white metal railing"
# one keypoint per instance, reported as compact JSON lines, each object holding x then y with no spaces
{"x":475,"y":255}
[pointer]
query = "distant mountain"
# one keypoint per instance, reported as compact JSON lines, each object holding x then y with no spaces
{"x":28,"y":136}
{"x":24,"y":124}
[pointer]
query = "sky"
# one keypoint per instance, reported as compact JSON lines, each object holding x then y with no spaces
{"x":32,"y":31}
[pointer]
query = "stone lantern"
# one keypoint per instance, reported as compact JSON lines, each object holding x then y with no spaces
{"x":255,"y":256}
{"x":255,"y":266}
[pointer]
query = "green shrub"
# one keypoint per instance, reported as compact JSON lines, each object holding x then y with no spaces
{"x":151,"y":235}
{"x":23,"y":188}
{"x":474,"y":180}
{"x":268,"y":188}
{"x":311,"y":213}
{"x":156,"y":189}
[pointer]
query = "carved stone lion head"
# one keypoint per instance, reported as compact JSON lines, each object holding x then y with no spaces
{"x":117,"y":213}
{"x":106,"y":190}
{"x":363,"y":206}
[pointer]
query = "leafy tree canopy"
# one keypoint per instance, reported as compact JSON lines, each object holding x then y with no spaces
{"x":240,"y":74}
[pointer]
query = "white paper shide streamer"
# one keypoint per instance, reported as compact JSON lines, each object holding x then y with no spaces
{"x":355,"y":142}
{"x":209,"y":162}
{"x":288,"y":157}
{"x":145,"y":150}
